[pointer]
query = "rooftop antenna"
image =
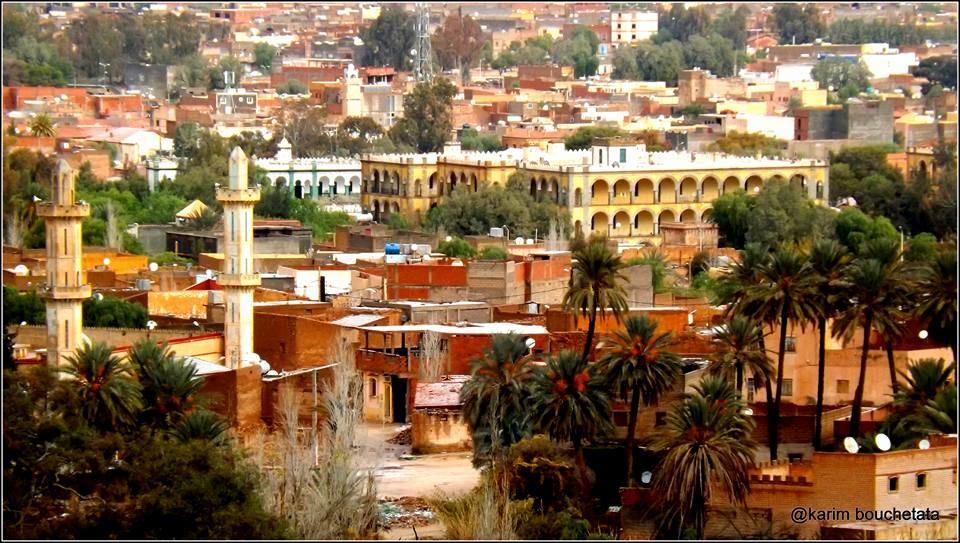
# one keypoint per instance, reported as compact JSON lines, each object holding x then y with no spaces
{"x":422,"y":53}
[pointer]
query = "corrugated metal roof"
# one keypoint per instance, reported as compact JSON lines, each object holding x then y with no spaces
{"x":356,"y":321}
{"x":445,"y":393}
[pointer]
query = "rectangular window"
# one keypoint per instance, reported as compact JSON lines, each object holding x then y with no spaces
{"x":791,"y":345}
{"x":893,"y":484}
{"x":233,"y":228}
{"x":751,"y":388}
{"x":843,"y":386}
{"x":661,"y":418}
{"x":788,"y":387}
{"x":66,"y":329}
{"x":64,"y":242}
{"x":921,"y":481}
{"x":623,"y":155}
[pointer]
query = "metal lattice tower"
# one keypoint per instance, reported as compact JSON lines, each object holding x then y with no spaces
{"x":422,"y":53}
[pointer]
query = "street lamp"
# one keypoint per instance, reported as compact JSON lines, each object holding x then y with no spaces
{"x":507,"y":228}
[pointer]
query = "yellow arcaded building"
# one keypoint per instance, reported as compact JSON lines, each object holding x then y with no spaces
{"x":613,"y":188}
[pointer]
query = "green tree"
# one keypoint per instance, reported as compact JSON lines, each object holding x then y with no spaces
{"x":263,"y":54}
{"x":732,"y":24}
{"x":570,"y":404}
{"x":389,"y":39}
{"x":186,"y":140}
{"x":25,"y":307}
{"x":828,"y":259}
{"x":783,"y":213}
{"x":457,"y":248}
{"x":108,"y":392}
{"x":748,"y":144}
{"x":201,"y":425}
{"x":797,"y":25}
{"x":492,"y":252}
{"x":471,"y":140}
{"x":595,"y":283}
{"x":637,"y":359}
{"x":840,"y":73}
{"x":292,"y":86}
{"x":580,"y":50}
{"x":113,"y":312}
{"x":427,"y":119}
{"x":495,"y":399}
{"x":783,"y":295}
{"x":584,"y":136}
{"x":731,"y":214}
{"x":876,"y":291}
{"x":853,"y":228}
{"x":937,"y":71}
{"x":705,"y":443}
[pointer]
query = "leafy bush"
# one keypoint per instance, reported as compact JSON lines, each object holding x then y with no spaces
{"x":492,"y":252}
{"x":457,"y":248}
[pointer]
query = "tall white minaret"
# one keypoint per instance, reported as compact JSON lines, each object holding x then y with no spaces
{"x":238,"y":278}
{"x":66,"y":281}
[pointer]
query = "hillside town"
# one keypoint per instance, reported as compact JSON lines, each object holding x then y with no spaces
{"x":515,"y":271}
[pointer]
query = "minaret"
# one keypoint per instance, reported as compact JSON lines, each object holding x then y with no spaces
{"x":66,"y":281}
{"x":238,"y":278}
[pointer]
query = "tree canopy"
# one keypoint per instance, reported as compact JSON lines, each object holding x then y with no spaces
{"x":389,"y":39}
{"x":427,"y":119}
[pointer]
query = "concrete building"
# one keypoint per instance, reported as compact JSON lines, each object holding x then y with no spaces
{"x":160,"y":169}
{"x":315,"y":178}
{"x":238,"y":278}
{"x":66,"y":280}
{"x":857,"y":120}
{"x":629,"y":27}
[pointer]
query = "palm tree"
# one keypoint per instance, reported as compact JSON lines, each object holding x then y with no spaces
{"x":876,"y":292}
{"x":937,"y":287}
{"x":571,"y":404}
{"x":740,"y":352}
{"x":495,"y":399}
{"x":595,"y":283}
{"x":923,"y":380}
{"x":636,"y":359}
{"x":938,"y":416}
{"x":828,"y":258}
{"x":886,"y":251}
{"x":705,"y":443}
{"x":783,"y":295}
{"x":109,"y":394}
{"x":170,"y":386}
{"x":42,"y":126}
{"x":203,"y":425}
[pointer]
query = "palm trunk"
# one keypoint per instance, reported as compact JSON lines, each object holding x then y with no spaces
{"x":888,"y":346}
{"x":821,"y":370}
{"x":768,"y":389}
{"x":740,"y":380}
{"x":953,"y":347}
{"x":581,"y":461}
{"x":632,"y":429}
{"x":590,"y":328}
{"x":858,"y":395}
{"x":776,"y":403}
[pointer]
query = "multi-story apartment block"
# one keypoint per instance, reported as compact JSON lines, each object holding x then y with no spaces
{"x":630,"y":27}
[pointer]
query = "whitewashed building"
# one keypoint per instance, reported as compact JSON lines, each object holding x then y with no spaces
{"x":317,"y":178}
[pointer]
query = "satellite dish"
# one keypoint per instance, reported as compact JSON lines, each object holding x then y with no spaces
{"x":106,"y":261}
{"x":518,"y":241}
{"x":21,"y":270}
{"x":882,"y":441}
{"x":530,"y":342}
{"x":646,"y":477}
{"x":748,"y":412}
{"x":448,"y":238}
{"x":851,"y":445}
{"x":209,"y":274}
{"x":924,"y":444}
{"x":924,"y":334}
{"x":98,"y":297}
{"x":151,"y":325}
{"x":529,"y":241}
{"x":154,"y":266}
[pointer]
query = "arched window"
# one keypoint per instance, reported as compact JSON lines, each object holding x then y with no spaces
{"x":372,"y":387}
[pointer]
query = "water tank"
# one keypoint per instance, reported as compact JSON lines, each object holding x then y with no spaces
{"x":391,"y":249}
{"x":496,"y":232}
{"x":143,"y":284}
{"x":405,"y":248}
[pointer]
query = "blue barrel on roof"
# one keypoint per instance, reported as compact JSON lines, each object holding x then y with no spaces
{"x":391,"y":249}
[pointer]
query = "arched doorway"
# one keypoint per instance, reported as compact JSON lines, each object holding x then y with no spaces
{"x":298,"y":190}
{"x":643,"y":192}
{"x":710,"y":189}
{"x":599,"y":224}
{"x":621,"y":192}
{"x":668,"y":191}
{"x":754,"y":184}
{"x":577,"y":198}
{"x":707,"y":215}
{"x":643,"y":223}
{"x":688,"y":215}
{"x":600,"y":193}
{"x":688,"y":188}
{"x":376,"y":210}
{"x":621,"y":225}
{"x":666,"y":216}
{"x":731,"y":184}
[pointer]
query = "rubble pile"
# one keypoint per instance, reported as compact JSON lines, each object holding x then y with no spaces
{"x":405,"y":512}
{"x":403,"y":437}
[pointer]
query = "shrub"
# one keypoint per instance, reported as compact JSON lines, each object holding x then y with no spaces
{"x":492,"y":252}
{"x":457,"y":248}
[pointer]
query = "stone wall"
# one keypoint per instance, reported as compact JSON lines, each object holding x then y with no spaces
{"x":439,"y":430}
